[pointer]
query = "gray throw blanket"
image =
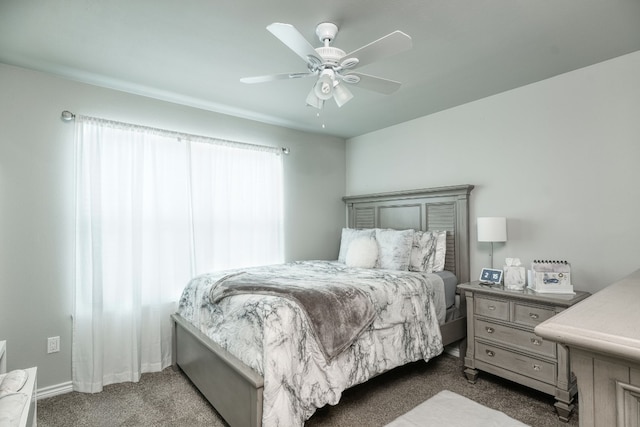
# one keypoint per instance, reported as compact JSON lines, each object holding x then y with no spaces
{"x":337,"y":313}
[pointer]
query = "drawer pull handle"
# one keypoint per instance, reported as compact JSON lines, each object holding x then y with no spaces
{"x":490,"y":353}
{"x":492,"y":307}
{"x":536,"y":367}
{"x":533,"y":315}
{"x":536,"y":341}
{"x":489,"y":329}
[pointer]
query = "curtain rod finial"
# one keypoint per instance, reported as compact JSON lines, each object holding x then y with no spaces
{"x":67,"y":116}
{"x":286,"y":150}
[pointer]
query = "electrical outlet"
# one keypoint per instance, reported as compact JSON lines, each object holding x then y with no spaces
{"x":53,"y":344}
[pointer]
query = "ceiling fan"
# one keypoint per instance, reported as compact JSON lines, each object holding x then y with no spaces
{"x":333,"y":66}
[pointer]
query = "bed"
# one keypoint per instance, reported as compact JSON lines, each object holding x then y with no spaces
{"x":237,"y":390}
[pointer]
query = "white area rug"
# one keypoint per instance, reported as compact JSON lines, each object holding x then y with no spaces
{"x":452,"y":410}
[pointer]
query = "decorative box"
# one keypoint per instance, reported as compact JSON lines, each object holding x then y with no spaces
{"x":551,"y":277}
{"x":515,"y":277}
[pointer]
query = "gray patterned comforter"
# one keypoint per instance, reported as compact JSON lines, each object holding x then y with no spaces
{"x":272,"y":334}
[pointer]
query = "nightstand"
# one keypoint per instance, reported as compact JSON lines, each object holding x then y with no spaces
{"x":501,"y":341}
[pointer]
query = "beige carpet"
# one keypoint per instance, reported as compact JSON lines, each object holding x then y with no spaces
{"x":450,"y":409}
{"x":168,"y":399}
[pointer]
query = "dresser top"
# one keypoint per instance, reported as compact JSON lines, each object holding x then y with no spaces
{"x":608,"y":322}
{"x":561,"y":300}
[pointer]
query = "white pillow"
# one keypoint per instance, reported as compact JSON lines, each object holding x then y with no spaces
{"x":394,"y":248}
{"x":441,"y":251}
{"x":362,"y":253}
{"x":348,"y":236}
{"x":428,"y":251}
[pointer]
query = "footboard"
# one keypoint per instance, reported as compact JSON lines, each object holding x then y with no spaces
{"x":234,"y":390}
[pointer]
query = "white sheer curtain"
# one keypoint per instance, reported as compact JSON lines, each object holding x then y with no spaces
{"x":153,"y":209}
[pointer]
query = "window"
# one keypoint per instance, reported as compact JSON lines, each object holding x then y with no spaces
{"x":153,"y":209}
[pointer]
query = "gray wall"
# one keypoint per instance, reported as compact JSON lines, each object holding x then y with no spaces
{"x":559,"y":158}
{"x":36,"y":199}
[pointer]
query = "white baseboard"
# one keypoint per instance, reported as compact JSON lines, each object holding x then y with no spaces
{"x":54,"y":390}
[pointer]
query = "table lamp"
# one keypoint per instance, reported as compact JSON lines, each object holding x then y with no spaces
{"x":492,"y":229}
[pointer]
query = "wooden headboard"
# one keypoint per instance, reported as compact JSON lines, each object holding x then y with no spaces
{"x":429,"y":209}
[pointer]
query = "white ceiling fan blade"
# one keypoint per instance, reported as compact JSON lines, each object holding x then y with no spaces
{"x":386,"y":46}
{"x":376,"y":84}
{"x":272,"y":77}
{"x":291,"y":37}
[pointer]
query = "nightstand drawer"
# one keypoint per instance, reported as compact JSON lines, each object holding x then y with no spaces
{"x":528,"y":315}
{"x":523,"y":365}
{"x":495,"y":309}
{"x":526,"y":340}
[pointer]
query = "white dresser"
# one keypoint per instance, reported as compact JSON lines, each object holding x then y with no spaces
{"x":603,"y":334}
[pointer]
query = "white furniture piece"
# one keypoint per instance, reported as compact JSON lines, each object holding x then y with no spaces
{"x":603,"y":335}
{"x":501,"y":340}
{"x":3,"y":357}
{"x":29,"y":412}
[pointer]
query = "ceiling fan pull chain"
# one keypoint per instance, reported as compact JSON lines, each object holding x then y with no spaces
{"x":320,"y":118}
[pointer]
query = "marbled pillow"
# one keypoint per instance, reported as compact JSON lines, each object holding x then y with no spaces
{"x":394,"y":248}
{"x":428,"y":252}
{"x":349,"y":235}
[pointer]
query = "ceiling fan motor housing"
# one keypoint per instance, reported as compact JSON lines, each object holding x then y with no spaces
{"x":330,"y":54}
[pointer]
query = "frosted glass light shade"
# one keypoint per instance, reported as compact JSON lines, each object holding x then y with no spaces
{"x":324,"y":87}
{"x":341,"y":94}
{"x":492,"y":229}
{"x":313,"y":100}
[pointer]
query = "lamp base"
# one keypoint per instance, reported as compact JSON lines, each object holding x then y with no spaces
{"x":491,"y":255}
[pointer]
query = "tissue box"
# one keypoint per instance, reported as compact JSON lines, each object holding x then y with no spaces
{"x":514,"y":277}
{"x":551,"y":277}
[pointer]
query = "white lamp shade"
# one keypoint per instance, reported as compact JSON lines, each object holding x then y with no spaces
{"x":492,"y":229}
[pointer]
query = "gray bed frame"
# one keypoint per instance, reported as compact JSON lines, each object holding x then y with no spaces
{"x":235,"y":390}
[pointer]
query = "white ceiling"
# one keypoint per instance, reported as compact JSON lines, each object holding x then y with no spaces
{"x":195,"y":51}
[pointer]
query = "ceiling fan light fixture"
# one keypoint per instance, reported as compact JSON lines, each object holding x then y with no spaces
{"x":313,"y":100}
{"x":323,"y":88}
{"x":341,"y":94}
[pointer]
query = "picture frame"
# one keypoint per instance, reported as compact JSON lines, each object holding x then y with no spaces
{"x":491,"y":276}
